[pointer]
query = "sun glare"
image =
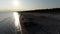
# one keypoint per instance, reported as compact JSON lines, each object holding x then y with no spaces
{"x":15,"y":3}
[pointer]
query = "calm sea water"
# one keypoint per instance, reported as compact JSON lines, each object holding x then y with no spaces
{"x":7,"y":23}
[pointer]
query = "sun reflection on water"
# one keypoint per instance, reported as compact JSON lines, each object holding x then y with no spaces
{"x":17,"y":21}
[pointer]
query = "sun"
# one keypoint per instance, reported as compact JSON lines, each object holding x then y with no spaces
{"x":15,"y":3}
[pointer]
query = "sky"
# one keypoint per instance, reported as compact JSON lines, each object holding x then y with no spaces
{"x":18,"y":5}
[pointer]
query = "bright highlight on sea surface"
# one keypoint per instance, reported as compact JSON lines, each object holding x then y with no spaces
{"x":17,"y":21}
{"x":16,"y":17}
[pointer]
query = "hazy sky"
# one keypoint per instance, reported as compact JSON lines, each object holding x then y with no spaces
{"x":28,"y":4}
